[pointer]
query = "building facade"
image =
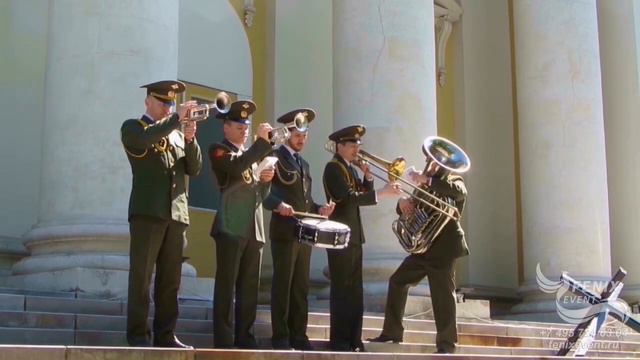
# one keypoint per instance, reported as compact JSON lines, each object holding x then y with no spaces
{"x":542,"y":95}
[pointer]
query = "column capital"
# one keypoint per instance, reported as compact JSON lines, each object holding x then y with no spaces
{"x":446,"y":13}
{"x":249,"y":12}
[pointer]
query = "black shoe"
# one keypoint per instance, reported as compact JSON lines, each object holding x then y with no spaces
{"x":172,"y":343}
{"x":445,"y":351}
{"x":247,"y":344}
{"x":358,"y":348}
{"x":140,"y":343}
{"x":303,"y":345}
{"x":340,"y":347}
{"x":382,"y":338}
{"x":281,"y":344}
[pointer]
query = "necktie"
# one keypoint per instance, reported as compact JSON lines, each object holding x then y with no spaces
{"x":298,"y":161}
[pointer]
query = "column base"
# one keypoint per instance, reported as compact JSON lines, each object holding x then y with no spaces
{"x":11,"y":251}
{"x":101,"y":283}
{"x":557,"y":306}
{"x":631,"y":293}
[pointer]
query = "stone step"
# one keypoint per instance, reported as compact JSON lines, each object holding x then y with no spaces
{"x":118,"y":338}
{"x":37,"y":336}
{"x":189,"y":309}
{"x":74,"y":306}
{"x":42,"y":320}
{"x":119,"y":323}
{"x":416,"y":330}
{"x":201,"y":341}
{"x":482,"y":326}
{"x":83,"y":353}
{"x":32,"y":319}
{"x":59,"y":294}
{"x":23,"y":319}
{"x":263,"y":330}
{"x":89,"y":328}
{"x":485,"y":350}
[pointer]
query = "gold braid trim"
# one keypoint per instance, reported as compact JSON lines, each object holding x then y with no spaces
{"x":161,"y":146}
{"x":144,"y":126}
{"x":350,"y":180}
{"x":282,"y":180}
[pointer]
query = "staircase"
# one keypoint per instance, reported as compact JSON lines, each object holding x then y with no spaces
{"x":70,"y":327}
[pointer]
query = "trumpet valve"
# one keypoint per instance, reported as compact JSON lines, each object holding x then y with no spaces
{"x":279,"y":135}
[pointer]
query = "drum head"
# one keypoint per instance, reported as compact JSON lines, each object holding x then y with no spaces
{"x":324,"y":225}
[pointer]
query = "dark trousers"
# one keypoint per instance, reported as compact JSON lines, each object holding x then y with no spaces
{"x":289,"y":289}
{"x":346,"y":304}
{"x":238,"y":268}
{"x":154,"y":242}
{"x":441,"y":275}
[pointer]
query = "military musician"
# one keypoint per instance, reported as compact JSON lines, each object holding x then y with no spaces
{"x":291,"y":194}
{"x":344,"y":186}
{"x":238,"y":226}
{"x":437,"y":263}
{"x":160,"y":156}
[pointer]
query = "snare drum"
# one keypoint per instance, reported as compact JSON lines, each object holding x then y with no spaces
{"x":323,"y":233}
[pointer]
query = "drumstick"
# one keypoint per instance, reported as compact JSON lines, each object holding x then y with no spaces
{"x":306,"y":214}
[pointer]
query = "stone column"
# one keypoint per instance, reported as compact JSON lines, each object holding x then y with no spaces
{"x":563,"y":180}
{"x":384,"y":78}
{"x":294,"y":81}
{"x":618,"y":27}
{"x":484,"y":127}
{"x":98,"y":55}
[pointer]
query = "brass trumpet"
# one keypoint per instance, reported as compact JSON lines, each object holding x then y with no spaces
{"x":203,"y":111}
{"x":280,"y":135}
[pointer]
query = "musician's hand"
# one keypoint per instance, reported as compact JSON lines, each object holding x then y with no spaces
{"x":364,"y":166}
{"x":432,"y":169}
{"x":389,"y":190}
{"x":284,"y":209}
{"x":417,"y":177}
{"x":189,"y":131}
{"x":263,"y":130}
{"x":406,"y":206}
{"x":266,"y":175}
{"x":327,"y":209}
{"x":183,"y":109}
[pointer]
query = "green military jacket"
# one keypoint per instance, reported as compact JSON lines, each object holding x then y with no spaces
{"x":241,"y":193}
{"x":349,"y":192}
{"x":160,"y":159}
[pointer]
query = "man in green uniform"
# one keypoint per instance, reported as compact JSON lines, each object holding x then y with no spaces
{"x":344,"y":187}
{"x":238,"y":228}
{"x":291,"y":192}
{"x":160,"y":156}
{"x":437,"y":263}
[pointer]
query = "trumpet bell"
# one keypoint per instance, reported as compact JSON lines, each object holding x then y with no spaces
{"x":447,"y":154}
{"x":301,"y":122}
{"x":280,"y":135}
{"x":220,"y":106}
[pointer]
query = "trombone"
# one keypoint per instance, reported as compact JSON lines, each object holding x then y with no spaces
{"x":394,"y":170}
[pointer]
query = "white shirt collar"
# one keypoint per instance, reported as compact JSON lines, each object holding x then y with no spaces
{"x":291,"y":151}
